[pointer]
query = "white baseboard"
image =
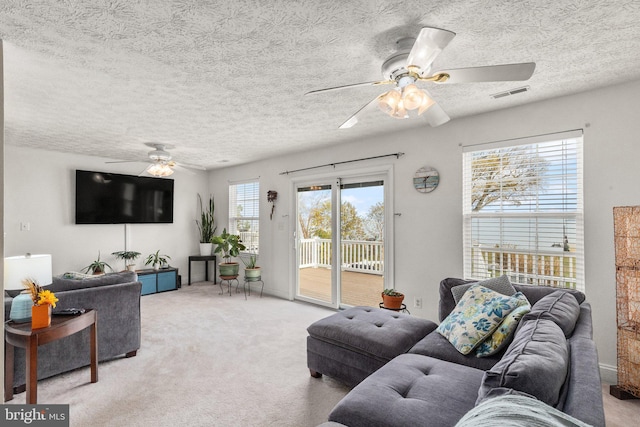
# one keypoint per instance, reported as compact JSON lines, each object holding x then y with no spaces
{"x":608,"y":373}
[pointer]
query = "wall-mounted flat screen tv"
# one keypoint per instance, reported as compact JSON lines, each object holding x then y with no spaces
{"x":110,"y":198}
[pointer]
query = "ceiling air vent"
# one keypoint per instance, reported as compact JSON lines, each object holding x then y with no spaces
{"x":510,"y":92}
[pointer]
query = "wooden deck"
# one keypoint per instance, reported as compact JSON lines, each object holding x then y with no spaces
{"x":357,"y":288}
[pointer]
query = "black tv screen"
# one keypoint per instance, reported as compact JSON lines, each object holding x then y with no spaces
{"x":110,"y":198}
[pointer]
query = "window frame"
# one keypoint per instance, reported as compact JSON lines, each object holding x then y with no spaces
{"x":513,"y":261}
{"x":253,"y":243}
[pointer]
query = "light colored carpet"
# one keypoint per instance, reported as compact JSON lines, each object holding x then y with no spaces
{"x":205,"y":360}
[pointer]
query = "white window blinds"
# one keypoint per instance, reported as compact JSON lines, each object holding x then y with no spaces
{"x":523,"y":211}
{"x":244,"y":213}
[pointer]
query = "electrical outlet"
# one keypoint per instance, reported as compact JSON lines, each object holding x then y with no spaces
{"x":417,"y":302}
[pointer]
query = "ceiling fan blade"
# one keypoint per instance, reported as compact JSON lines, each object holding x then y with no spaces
{"x":435,"y":115}
{"x":313,"y":92}
{"x":189,"y":166}
{"x":491,"y":73}
{"x":351,"y":121}
{"x":127,"y":161}
{"x":427,"y":46}
{"x":145,"y":171}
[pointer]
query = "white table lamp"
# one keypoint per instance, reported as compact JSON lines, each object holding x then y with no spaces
{"x":18,"y":268}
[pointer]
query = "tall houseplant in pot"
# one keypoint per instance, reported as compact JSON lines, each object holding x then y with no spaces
{"x":206,"y":227}
{"x":229,"y":245}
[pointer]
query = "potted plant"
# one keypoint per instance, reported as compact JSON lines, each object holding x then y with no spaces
{"x":206,"y":227}
{"x":229,"y":245}
{"x":129,"y":258}
{"x":156,"y":260}
{"x":392,"y":299}
{"x":251,"y":270}
{"x":97,"y":266}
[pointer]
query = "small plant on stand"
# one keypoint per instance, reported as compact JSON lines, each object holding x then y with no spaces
{"x":229,"y":245}
{"x":97,"y":266}
{"x":392,"y":299}
{"x":251,"y":269}
{"x":156,"y":260}
{"x":129,"y":258}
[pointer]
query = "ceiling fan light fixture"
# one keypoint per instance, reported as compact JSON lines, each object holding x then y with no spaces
{"x":389,"y":102}
{"x":412,"y":97}
{"x":426,"y":103}
{"x":160,"y":169}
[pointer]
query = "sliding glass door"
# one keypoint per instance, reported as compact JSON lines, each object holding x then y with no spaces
{"x":340,"y":241}
{"x":314,"y":242}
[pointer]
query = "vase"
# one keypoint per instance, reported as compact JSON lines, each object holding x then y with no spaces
{"x":252,"y":274}
{"x":229,"y":269}
{"x":21,"y":308}
{"x":40,"y":316}
{"x":205,"y":249}
{"x":392,"y":302}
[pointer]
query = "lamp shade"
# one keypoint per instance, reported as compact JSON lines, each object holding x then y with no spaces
{"x":18,"y":268}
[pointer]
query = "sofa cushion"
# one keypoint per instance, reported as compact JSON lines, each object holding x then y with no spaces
{"x":437,"y":346}
{"x":536,"y":362}
{"x":411,"y":390}
{"x":533,"y":293}
{"x":501,"y":337}
{"x":374,"y":331}
{"x":475,"y":317}
{"x":560,"y":307}
{"x":499,"y":284}
{"x":61,"y":284}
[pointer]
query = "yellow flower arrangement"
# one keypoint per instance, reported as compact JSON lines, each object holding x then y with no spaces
{"x":47,"y":297}
{"x":39,"y":295}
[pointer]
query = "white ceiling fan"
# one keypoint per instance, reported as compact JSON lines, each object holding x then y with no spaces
{"x":161,"y":161}
{"x":411,"y":64}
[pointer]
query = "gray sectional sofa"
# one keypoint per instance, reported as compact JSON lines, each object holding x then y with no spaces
{"x":115,"y":297}
{"x":551,"y":359}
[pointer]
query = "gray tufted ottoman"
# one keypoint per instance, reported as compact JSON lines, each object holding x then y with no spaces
{"x":352,"y":344}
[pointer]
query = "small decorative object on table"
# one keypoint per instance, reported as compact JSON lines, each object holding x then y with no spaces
{"x":42,"y":300}
{"x":392,"y":299}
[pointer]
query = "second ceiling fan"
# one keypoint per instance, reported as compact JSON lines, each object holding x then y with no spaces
{"x":411,"y":64}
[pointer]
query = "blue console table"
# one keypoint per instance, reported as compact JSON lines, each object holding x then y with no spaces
{"x":153,"y":281}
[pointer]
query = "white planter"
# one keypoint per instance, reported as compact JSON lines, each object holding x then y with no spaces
{"x":206,"y":248}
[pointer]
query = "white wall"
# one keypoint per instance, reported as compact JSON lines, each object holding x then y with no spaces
{"x":40,"y":190}
{"x":428,"y":235}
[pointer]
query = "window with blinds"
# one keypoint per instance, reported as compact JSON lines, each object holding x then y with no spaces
{"x":244,"y":213}
{"x":523,"y":211}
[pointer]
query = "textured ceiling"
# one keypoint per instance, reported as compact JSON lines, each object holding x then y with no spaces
{"x":224,"y":80}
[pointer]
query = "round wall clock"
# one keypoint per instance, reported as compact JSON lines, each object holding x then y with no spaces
{"x":426,"y":179}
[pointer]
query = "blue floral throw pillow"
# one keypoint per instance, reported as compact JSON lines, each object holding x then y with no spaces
{"x":475,"y":317}
{"x":504,"y":332}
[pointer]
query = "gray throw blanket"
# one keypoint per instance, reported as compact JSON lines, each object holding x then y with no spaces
{"x":516,"y":411}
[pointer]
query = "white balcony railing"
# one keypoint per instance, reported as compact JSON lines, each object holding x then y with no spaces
{"x":357,"y":255}
{"x":550,"y":268}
